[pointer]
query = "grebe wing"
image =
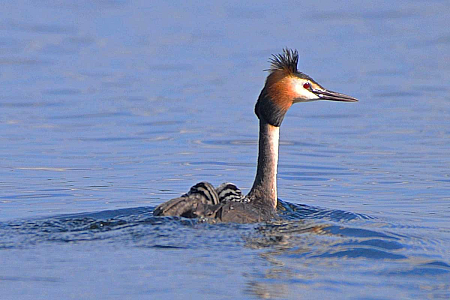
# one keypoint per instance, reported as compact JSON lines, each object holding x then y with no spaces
{"x":243,"y":212}
{"x":194,"y":204}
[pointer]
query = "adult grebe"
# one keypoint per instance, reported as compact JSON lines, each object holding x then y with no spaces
{"x":284,"y":86}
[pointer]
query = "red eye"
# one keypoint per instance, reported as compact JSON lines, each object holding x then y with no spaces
{"x":307,"y":85}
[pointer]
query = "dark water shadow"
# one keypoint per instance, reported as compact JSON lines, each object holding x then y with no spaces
{"x":295,"y":212}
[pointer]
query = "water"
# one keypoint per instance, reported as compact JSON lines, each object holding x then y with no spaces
{"x":109,"y":108}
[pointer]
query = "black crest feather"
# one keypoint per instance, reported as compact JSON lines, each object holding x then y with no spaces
{"x":286,"y":61}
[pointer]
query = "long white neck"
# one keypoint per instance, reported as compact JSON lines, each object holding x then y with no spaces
{"x":265,"y":185}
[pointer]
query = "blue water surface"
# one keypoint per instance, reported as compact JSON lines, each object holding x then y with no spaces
{"x":109,"y":108}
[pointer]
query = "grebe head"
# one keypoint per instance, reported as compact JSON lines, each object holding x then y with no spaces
{"x":285,"y":86}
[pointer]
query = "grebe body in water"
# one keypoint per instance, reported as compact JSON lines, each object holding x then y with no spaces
{"x":284,"y":86}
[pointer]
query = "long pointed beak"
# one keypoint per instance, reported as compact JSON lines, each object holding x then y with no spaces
{"x":333,"y":96}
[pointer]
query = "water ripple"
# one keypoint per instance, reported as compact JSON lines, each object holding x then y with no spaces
{"x":302,"y":235}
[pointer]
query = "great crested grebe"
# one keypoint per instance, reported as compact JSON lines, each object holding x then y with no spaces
{"x":284,"y":86}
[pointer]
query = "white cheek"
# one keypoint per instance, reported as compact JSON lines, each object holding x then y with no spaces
{"x":302,"y":93}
